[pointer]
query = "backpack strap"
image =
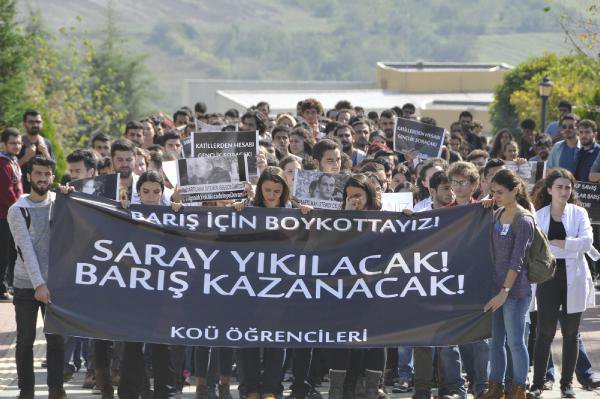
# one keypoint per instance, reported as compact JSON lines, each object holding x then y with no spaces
{"x":26,"y":216}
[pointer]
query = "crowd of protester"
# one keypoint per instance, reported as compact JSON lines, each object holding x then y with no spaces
{"x":346,"y":139}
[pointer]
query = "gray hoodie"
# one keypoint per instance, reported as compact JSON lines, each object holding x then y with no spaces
{"x":33,"y":243}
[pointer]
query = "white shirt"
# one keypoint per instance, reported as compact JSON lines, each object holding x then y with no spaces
{"x":579,"y":239}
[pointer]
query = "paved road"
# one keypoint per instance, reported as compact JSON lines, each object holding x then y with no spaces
{"x":8,"y":388}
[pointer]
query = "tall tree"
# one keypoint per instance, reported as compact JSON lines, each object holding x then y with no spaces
{"x":13,"y":65}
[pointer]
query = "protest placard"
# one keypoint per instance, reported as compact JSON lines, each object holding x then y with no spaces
{"x":269,"y":277}
{"x":589,"y":195}
{"x":228,"y":144}
{"x":318,"y":189}
{"x":425,"y":139}
{"x":396,"y":202}
{"x":210,"y":178}
{"x":531,"y":171}
{"x":106,"y":186}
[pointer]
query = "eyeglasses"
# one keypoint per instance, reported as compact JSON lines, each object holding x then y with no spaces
{"x":568,"y":126}
{"x":460,"y":183}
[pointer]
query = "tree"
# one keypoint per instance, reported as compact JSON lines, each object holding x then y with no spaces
{"x":581,"y":25}
{"x":13,"y":65}
{"x":575,"y":79}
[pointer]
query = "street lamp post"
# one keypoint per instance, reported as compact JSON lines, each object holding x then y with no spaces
{"x":545,"y":88}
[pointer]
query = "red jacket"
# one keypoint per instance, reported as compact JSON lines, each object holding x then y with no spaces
{"x":11,"y":187}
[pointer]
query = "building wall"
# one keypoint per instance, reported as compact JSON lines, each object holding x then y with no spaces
{"x":206,"y":90}
{"x":439,"y":81}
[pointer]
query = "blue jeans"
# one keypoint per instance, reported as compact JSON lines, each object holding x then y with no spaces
{"x":451,"y":380}
{"x":405,"y":363}
{"x":508,"y":325}
{"x":476,"y":362}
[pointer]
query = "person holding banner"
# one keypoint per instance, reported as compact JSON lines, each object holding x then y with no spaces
{"x":511,"y":304}
{"x":571,"y":290}
{"x":272,"y":191}
{"x":359,"y":195}
{"x":29,"y":221}
{"x":150,"y":187}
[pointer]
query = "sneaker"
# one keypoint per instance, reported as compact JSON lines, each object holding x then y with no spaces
{"x":5,"y":297}
{"x":566,"y":391}
{"x":401,"y":387}
{"x":452,"y":396}
{"x":590,"y":383}
{"x":314,"y":394}
{"x":548,"y":385}
{"x":90,"y":380}
{"x":535,"y":392}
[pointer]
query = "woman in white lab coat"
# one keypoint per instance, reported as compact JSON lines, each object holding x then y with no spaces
{"x":569,"y":231}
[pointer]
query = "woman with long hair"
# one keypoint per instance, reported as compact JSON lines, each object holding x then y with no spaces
{"x":512,"y":235}
{"x":571,"y":290}
{"x":502,"y":137}
{"x":301,"y":143}
{"x":272,"y":191}
{"x":359,"y":195}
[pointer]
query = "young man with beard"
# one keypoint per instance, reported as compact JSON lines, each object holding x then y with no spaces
{"x":362,"y":130}
{"x":29,"y":221}
{"x":346,"y":134}
{"x":565,"y":153}
{"x":387,"y":123}
{"x":33,"y":143}
{"x":11,"y":189}
{"x":122,"y":154}
{"x":588,"y":154}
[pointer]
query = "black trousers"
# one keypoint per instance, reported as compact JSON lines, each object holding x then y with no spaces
{"x":203,"y":355}
{"x":551,"y":296}
{"x":8,"y":256}
{"x":133,"y":373}
{"x":26,"y":311}
{"x":372,"y":359}
{"x":272,"y":369}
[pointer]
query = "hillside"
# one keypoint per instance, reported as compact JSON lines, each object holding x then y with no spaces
{"x":310,"y":39}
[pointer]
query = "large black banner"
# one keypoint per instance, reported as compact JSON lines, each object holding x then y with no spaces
{"x":268,"y":277}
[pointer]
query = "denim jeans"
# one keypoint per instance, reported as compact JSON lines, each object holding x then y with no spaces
{"x":476,"y":362}
{"x":508,"y":325}
{"x":405,"y":363}
{"x":26,"y":311}
{"x":451,"y":380}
